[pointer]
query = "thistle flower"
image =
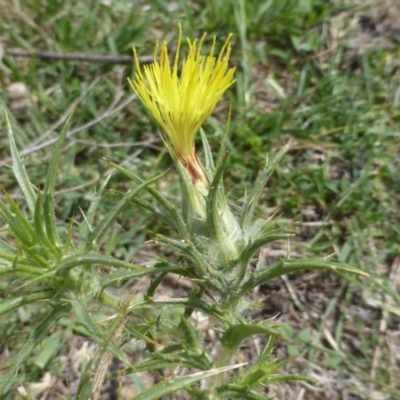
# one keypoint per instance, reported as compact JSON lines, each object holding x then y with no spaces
{"x":181,"y":102}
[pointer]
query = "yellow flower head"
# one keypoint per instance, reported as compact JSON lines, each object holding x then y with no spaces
{"x":181,"y":102}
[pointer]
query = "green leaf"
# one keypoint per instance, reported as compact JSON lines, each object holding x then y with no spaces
{"x":34,"y":339}
{"x":191,"y":302}
{"x":235,"y":334}
{"x":175,"y":383}
{"x":86,"y":226}
{"x":48,"y":190}
{"x":263,"y":358}
{"x":18,"y":266}
{"x":20,"y":299}
{"x":286,"y":266}
{"x":253,"y":196}
{"x":274,"y":379}
{"x":84,"y":318}
{"x":293,"y":350}
{"x":18,"y":224}
{"x":248,"y":252}
{"x":189,"y":251}
{"x":224,"y":139}
{"x":158,"y":213}
{"x":231,"y":392}
{"x":76,"y":260}
{"x":50,"y":346}
{"x":20,"y":171}
{"x":333,"y":361}
{"x":305,"y":335}
{"x":40,"y":233}
{"x":85,"y":385}
{"x":7,"y":248}
{"x":121,"y":276}
{"x":93,"y":258}
{"x":213,"y":208}
{"x":159,"y":361}
{"x":208,"y":156}
{"x":287,"y":331}
{"x":192,"y":335}
{"x":169,"y":211}
{"x":97,"y":234}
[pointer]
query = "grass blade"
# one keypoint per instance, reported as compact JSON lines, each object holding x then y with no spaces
{"x":34,"y":339}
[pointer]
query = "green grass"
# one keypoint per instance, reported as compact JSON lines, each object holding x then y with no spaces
{"x":338,"y":108}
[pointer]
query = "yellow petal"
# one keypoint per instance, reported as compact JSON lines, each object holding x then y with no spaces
{"x":180,"y":103}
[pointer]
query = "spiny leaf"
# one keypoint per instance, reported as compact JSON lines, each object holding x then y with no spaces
{"x":20,"y":171}
{"x":86,"y":226}
{"x":262,"y":240}
{"x":235,"y":334}
{"x":97,"y":234}
{"x":121,"y":276}
{"x":252,"y":198}
{"x":7,"y":248}
{"x":286,"y":266}
{"x":209,"y":167}
{"x":48,"y":190}
{"x":18,"y":224}
{"x":40,"y":232}
{"x":224,"y":139}
{"x":85,"y":318}
{"x":173,"y":384}
{"x":213,"y":208}
{"x":20,"y":299}
{"x":168,"y":209}
{"x":237,"y":392}
{"x":192,"y":337}
{"x":161,"y":361}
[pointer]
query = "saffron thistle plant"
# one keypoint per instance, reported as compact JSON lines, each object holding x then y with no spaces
{"x":215,"y":247}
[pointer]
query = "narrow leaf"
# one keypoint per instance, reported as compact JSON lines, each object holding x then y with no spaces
{"x":235,"y":334}
{"x":20,"y":171}
{"x":237,"y":392}
{"x":18,"y":224}
{"x":34,"y":339}
{"x":84,"y":318}
{"x":213,"y":209}
{"x":224,"y":139}
{"x":286,"y":266}
{"x":168,"y":208}
{"x":86,"y":226}
{"x":162,"y":361}
{"x":208,"y":156}
{"x":173,"y":384}
{"x":189,"y":251}
{"x":6,"y":247}
{"x":262,"y":240}
{"x":93,"y":258}
{"x":253,"y":196}
{"x":97,"y":234}
{"x":40,"y":233}
{"x":118,"y":277}
{"x":274,"y":379}
{"x":192,"y":338}
{"x":20,"y":299}
{"x":48,"y":190}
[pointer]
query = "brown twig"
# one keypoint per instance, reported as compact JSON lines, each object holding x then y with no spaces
{"x":51,"y":55}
